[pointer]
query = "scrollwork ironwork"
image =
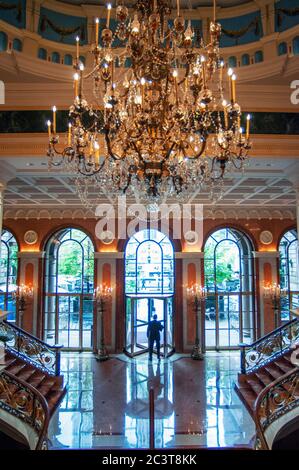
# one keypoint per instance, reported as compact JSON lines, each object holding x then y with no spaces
{"x":25,"y":403}
{"x":267,"y":348}
{"x":274,"y":401}
{"x":31,"y":349}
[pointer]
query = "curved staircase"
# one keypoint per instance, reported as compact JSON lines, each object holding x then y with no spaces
{"x":268,"y":384}
{"x":31,"y":386}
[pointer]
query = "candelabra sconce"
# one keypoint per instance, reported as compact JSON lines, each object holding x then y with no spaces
{"x":21,"y":296}
{"x":273,"y":292}
{"x":197,"y":295}
{"x":102,"y":294}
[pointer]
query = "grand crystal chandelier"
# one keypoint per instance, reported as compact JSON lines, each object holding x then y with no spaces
{"x":163,"y":120}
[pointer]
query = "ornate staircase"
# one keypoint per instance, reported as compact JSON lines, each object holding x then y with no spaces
{"x":268,"y":384}
{"x":31,"y":386}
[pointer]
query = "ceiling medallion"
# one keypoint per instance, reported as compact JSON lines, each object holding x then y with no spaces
{"x":266,"y":237}
{"x":164,"y":120}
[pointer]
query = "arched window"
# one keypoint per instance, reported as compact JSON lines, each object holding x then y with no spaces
{"x":245,"y":59}
{"x":3,"y":41}
{"x":288,"y":274}
{"x":282,"y":48}
{"x":258,"y":57}
{"x":232,"y":61}
{"x":69,"y":284}
{"x":42,"y":53}
{"x":229,"y":316}
{"x":68,"y":59}
{"x":55,"y":57}
{"x":149,"y":289}
{"x":149,"y":264}
{"x":296,"y":45}
{"x":17,"y":45}
{"x":8,"y":273}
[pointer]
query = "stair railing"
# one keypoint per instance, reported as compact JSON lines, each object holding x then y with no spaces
{"x":27,"y":404}
{"x":33,"y":350}
{"x":276,"y":400}
{"x":267,"y":348}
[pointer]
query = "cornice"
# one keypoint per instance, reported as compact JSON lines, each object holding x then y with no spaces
{"x":213,"y":213}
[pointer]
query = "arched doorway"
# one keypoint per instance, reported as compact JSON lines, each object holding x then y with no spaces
{"x":288,"y":274}
{"x":149,"y":289}
{"x":69,"y":285}
{"x":228,"y":266}
{"x":8,"y":273}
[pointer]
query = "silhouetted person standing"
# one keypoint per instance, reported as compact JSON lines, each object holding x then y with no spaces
{"x":153,"y":334}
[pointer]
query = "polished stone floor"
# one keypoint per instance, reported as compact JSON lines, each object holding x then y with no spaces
{"x":106,"y":405}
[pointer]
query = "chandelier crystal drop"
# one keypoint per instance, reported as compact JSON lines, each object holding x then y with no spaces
{"x":163,"y":120}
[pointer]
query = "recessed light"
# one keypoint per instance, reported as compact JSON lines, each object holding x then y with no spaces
{"x":29,"y":164}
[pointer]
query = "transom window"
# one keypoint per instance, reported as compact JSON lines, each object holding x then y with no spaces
{"x":8,"y":273}
{"x":149,"y":264}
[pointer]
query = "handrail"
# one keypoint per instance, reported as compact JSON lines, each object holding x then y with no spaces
{"x":27,"y":404}
{"x":267,"y":348}
{"x":274,"y":401}
{"x":32,"y":349}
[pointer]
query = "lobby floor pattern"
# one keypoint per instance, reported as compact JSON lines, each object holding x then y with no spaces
{"x":106,"y":405}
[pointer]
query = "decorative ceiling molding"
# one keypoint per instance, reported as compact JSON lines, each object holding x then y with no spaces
{"x":209,"y":213}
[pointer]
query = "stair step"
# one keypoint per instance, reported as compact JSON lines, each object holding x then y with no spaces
{"x":53,"y":398}
{"x":36,"y":379}
{"x":264,"y":377}
{"x":256,"y":385}
{"x":16,"y":367}
{"x":26,"y":374}
{"x":285,"y":366}
{"x":248,"y":396}
{"x":274,"y":371}
{"x":46,"y":385}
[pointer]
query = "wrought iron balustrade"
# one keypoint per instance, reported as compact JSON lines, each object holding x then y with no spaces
{"x":268,"y":347}
{"x":25,"y":403}
{"x":276,"y":400}
{"x":31,"y":349}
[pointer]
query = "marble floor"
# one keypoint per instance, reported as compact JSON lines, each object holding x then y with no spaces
{"x":106,"y":405}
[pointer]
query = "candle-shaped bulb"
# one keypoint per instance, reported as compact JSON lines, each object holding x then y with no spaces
{"x":142,"y":81}
{"x":108,"y":15}
{"x":81,"y":67}
{"x":175,"y":73}
{"x":54,"y":119}
{"x":77,"y":47}
{"x":230,"y":72}
{"x":49,"y":128}
{"x":248,"y":125}
{"x":202,"y":59}
{"x":97,"y":31}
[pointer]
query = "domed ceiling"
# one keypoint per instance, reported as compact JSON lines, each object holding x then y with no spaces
{"x":184,"y":3}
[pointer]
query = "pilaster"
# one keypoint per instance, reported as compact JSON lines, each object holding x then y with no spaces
{"x":267,"y":267}
{"x":30,"y":275}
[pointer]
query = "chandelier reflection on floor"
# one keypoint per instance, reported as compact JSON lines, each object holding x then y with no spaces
{"x":164,"y":119}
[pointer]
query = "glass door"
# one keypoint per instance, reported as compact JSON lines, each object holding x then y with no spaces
{"x":139,"y":312}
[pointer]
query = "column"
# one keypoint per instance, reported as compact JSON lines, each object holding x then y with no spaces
{"x":30,"y":275}
{"x":191,"y":274}
{"x":106,"y":274}
{"x":2,"y":189}
{"x":267,"y":265}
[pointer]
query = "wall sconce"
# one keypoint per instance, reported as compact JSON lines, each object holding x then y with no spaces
{"x":197,"y":295}
{"x":274,"y":292}
{"x":21,"y":296}
{"x":102,"y":294}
